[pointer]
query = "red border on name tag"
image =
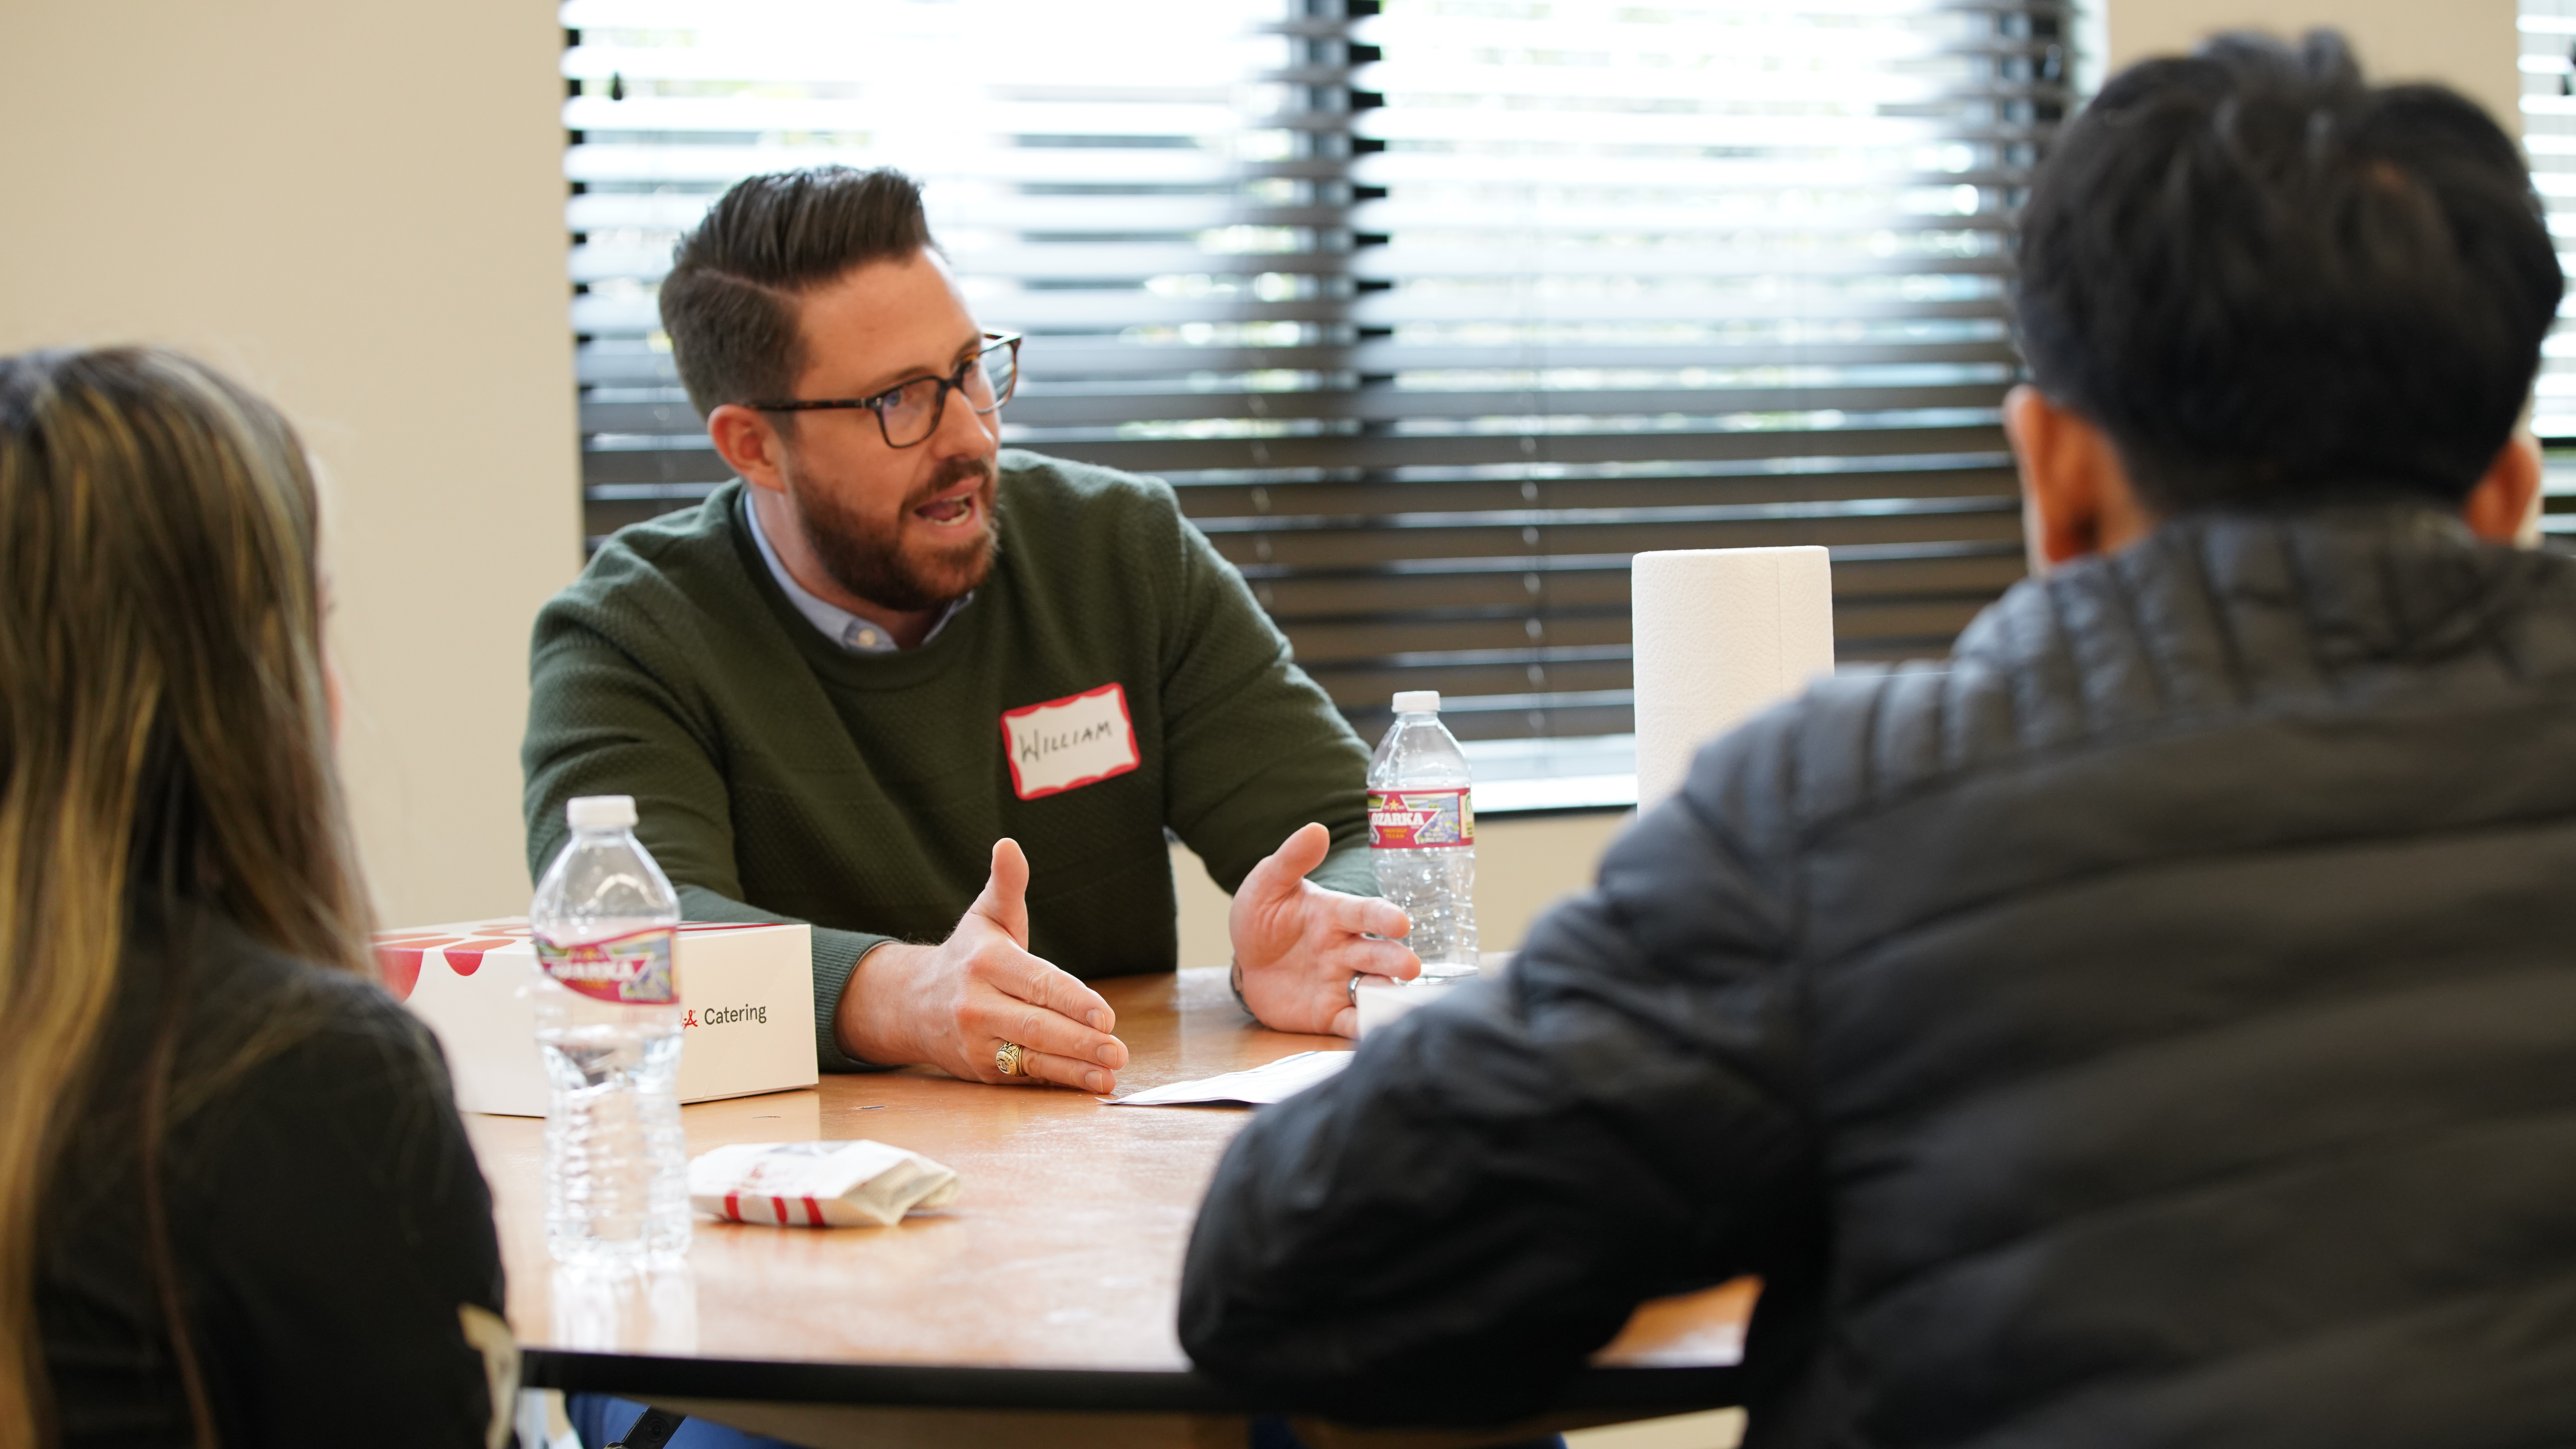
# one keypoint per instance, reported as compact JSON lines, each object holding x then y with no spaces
{"x":1115,"y":691}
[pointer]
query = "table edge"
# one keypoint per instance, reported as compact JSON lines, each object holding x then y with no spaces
{"x":1679,"y":1389}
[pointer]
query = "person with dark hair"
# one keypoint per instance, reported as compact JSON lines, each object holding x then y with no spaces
{"x":2154,"y":1024}
{"x":237,"y":1206}
{"x":940,"y":699}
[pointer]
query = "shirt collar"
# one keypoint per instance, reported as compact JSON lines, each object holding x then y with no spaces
{"x":852,"y":633}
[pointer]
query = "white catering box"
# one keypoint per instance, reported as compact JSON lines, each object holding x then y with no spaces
{"x":747,"y":992}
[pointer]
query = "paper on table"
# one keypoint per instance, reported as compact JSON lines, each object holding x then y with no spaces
{"x":1258,"y":1087}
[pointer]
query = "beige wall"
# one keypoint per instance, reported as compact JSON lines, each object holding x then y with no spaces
{"x":1524,"y":864}
{"x":358,"y":209}
{"x":2469,"y":44}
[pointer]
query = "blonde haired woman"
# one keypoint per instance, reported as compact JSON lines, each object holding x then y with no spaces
{"x":239,"y":1208}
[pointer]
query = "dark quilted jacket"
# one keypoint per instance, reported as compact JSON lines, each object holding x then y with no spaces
{"x":2155,"y":1026}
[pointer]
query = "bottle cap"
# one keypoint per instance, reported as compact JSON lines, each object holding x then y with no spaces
{"x":1417,"y":701}
{"x":601,"y":812}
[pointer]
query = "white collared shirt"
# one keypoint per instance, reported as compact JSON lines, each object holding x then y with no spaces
{"x":852,"y":633}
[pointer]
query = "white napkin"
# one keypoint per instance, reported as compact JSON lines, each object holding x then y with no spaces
{"x":817,"y":1184}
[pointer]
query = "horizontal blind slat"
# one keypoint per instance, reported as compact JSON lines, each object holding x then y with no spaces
{"x":1109,"y":309}
{"x":1089,"y":359}
{"x":605,"y":464}
{"x":1389,"y":406}
{"x":1858,"y":254}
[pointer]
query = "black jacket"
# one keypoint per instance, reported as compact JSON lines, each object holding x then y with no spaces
{"x":2156,"y":1026}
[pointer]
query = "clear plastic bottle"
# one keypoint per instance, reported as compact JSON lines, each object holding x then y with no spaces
{"x":608,"y":1029}
{"x":1422,"y":834}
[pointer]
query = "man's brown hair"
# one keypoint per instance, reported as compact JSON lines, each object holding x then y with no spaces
{"x":729,"y":303}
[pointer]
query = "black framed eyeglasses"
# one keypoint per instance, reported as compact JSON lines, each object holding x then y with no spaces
{"x":909,"y":412}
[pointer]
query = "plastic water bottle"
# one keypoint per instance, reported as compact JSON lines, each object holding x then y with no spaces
{"x":1422,"y":834}
{"x":608,"y":1029}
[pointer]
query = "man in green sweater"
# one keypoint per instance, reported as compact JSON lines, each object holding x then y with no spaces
{"x":939,"y":699}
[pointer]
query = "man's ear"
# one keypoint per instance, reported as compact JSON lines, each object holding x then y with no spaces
{"x":2075,"y":493}
{"x":2505,"y":506}
{"x":748,"y":441}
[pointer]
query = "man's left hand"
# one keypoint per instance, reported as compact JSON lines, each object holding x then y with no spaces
{"x":1298,"y":945}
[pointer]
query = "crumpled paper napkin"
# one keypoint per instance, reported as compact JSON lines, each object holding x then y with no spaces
{"x":817,"y":1184}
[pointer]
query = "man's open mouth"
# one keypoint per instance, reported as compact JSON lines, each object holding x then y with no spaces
{"x":954,"y":510}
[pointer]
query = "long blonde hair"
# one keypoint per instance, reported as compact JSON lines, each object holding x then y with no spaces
{"x":165,"y":742}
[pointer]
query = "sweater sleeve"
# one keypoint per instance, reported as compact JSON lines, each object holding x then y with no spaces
{"x":1253,"y":748}
{"x":1442,"y":1232}
{"x":600,"y":722}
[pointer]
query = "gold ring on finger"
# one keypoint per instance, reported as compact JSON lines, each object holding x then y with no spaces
{"x":1010,"y":1059}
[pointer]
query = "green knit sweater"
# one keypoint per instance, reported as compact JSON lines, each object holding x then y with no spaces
{"x":780,"y":778}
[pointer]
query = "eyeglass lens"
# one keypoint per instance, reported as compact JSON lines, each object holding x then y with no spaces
{"x":913,"y":412}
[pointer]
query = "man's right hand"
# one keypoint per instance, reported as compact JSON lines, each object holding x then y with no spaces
{"x":953,"y":1005}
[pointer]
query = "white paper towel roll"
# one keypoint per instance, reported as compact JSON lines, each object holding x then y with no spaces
{"x":1721,"y":632}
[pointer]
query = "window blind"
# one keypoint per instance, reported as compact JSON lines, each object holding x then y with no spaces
{"x":2548,"y":64}
{"x":1432,"y":314}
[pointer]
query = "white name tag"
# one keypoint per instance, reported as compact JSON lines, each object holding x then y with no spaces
{"x":1069,"y":742}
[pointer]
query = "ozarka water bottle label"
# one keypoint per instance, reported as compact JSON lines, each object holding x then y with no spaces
{"x":634,"y":968}
{"x":1420,"y":819}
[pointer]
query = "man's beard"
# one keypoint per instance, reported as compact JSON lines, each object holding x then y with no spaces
{"x":875,"y":566}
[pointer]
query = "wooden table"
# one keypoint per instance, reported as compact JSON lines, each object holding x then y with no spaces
{"x":1041,"y":1303}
